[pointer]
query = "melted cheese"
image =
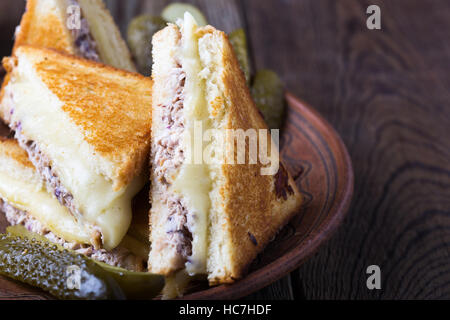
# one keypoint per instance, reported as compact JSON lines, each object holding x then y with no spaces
{"x":33,"y":199}
{"x":193,"y":182}
{"x":61,"y":141}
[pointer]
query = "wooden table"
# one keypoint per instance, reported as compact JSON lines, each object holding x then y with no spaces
{"x":387,"y":93}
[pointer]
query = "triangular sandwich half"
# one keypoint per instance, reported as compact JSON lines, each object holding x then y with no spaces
{"x":86,"y":128}
{"x":208,"y":217}
{"x":89,"y":32}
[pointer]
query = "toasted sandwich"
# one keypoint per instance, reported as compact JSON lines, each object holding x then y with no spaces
{"x":26,"y":202}
{"x":211,"y":217}
{"x":86,"y":128}
{"x":78,"y":27}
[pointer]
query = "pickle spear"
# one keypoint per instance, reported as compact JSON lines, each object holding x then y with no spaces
{"x":30,"y":258}
{"x":268,"y":94}
{"x":238,"y":40}
{"x":139,"y":37}
{"x":176,"y":11}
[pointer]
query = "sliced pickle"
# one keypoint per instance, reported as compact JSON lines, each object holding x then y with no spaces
{"x":31,"y":258}
{"x":268,"y":93}
{"x":238,"y":40}
{"x":21,"y":231}
{"x":176,"y":11}
{"x":139,"y":36}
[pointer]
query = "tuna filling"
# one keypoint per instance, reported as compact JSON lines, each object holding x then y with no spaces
{"x":168,"y":156}
{"x":85,"y":43}
{"x":53,"y":183}
{"x":43,"y":166}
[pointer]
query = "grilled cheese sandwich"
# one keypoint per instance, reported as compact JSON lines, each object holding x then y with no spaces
{"x":86,"y":128}
{"x":207,"y":217}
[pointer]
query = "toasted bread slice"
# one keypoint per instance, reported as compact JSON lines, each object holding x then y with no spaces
{"x":25,"y":201}
{"x":86,"y":128}
{"x":248,"y":208}
{"x":44,"y":24}
{"x":94,"y":35}
{"x":211,"y":217}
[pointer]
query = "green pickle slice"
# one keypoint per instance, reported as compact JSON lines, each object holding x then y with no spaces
{"x":176,"y":11}
{"x":31,"y":258}
{"x":139,"y":37}
{"x":268,"y":94}
{"x":238,"y":40}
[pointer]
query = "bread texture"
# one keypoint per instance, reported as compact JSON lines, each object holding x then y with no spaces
{"x":45,"y":23}
{"x":111,"y":108}
{"x":247,"y":209}
{"x":163,"y":258}
{"x":111,"y":46}
{"x":15,"y":160}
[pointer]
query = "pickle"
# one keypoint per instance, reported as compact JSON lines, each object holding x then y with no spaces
{"x":21,"y":231}
{"x":176,"y":11}
{"x":268,"y":93}
{"x":43,"y":266}
{"x":238,"y":40}
{"x":139,"y":37}
{"x":31,"y":258}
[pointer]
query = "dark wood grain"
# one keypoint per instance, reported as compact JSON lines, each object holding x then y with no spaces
{"x":10,"y":13}
{"x":386,"y":92}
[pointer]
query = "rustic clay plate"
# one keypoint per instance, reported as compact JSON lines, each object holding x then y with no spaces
{"x":321,"y":167}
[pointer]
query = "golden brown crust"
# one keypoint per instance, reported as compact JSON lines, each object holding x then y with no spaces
{"x":45,"y":30}
{"x":253,"y":210}
{"x":10,"y":148}
{"x":111,"y":107}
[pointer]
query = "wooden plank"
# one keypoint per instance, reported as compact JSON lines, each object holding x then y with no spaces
{"x":10,"y":13}
{"x":386,"y":92}
{"x":280,"y":290}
